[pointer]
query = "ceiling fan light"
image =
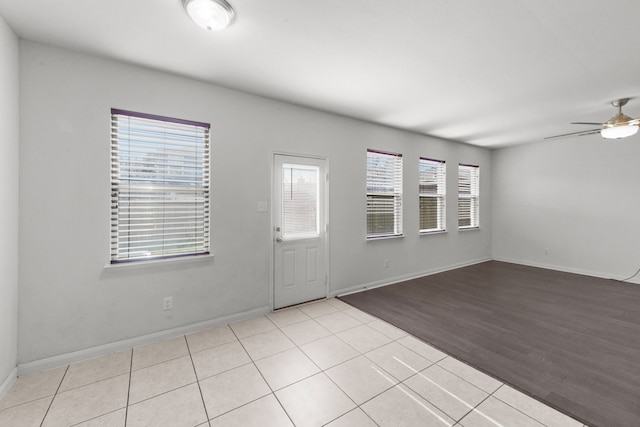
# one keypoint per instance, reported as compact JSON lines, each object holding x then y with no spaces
{"x":617,"y":132}
{"x":213,"y":15}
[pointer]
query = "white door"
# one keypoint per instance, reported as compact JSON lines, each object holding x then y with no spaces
{"x":300,"y":237}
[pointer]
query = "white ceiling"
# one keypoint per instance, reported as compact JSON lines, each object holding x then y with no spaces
{"x":486,"y":72}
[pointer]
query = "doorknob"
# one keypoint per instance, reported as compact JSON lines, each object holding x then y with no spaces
{"x":279,"y":240}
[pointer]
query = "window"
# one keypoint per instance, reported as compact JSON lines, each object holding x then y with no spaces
{"x":468,"y":196}
{"x":384,"y":194}
{"x":300,"y":190}
{"x":159,"y":187}
{"x":432,"y":194}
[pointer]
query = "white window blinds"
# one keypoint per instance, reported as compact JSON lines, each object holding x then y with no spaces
{"x":159,"y":187}
{"x":384,"y":194}
{"x":300,"y":202}
{"x":468,"y":196}
{"x":432,"y":194}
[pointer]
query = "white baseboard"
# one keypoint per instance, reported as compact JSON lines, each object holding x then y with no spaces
{"x":102,"y":350}
{"x":391,"y":281}
{"x":568,"y":270}
{"x":8,"y":382}
{"x":397,"y":279}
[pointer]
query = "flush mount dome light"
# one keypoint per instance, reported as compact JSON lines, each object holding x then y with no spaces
{"x":213,"y":15}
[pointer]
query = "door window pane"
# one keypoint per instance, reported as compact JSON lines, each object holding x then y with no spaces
{"x":299,"y":201}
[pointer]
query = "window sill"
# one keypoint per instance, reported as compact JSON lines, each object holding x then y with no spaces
{"x":429,"y":233}
{"x":373,"y":239}
{"x":469,"y":228}
{"x":136,"y":265}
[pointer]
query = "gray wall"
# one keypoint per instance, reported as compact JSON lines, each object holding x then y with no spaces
{"x":579,"y":198}
{"x":9,"y":195}
{"x":69,"y":301}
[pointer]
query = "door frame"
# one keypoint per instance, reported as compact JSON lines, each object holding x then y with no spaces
{"x":272,"y":233}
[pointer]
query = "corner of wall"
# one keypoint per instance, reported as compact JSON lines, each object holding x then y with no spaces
{"x":8,"y":382}
{"x":9,"y":176}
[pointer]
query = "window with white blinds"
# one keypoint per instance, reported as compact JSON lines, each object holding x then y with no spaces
{"x":432,"y":194}
{"x":468,"y":196}
{"x":159,"y":187}
{"x":384,"y":194}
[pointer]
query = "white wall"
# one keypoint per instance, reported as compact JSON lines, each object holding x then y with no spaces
{"x":9,"y":213}
{"x":578,"y":198}
{"x":70,"y":302}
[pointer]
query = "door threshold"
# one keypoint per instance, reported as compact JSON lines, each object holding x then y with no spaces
{"x":299,"y":304}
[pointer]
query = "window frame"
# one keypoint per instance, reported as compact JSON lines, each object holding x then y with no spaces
{"x":395,"y":185}
{"x":172,"y":193}
{"x":440,"y":194}
{"x":470,"y":173}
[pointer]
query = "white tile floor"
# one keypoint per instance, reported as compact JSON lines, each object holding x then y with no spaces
{"x":320,"y":364}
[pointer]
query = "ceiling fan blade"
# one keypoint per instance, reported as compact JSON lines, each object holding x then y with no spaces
{"x":586,"y":123}
{"x":581,"y":133}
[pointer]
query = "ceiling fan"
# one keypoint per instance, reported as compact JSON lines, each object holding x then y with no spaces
{"x":618,"y":126}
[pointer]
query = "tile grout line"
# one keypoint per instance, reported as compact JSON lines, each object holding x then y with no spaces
{"x":273,"y":393}
{"x":536,"y":400}
{"x":195,"y":373}
{"x":475,"y":407}
{"x":464,"y":379}
{"x":162,"y":361}
{"x":126,"y":408}
{"x":153,"y":397}
{"x":54,"y":396}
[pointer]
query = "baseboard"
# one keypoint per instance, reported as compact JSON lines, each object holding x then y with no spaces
{"x":8,"y":382}
{"x":568,"y":269}
{"x":397,"y":279}
{"x":102,"y":350}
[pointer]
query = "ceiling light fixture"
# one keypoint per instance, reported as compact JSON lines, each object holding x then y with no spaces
{"x":213,"y":15}
{"x":620,"y":125}
{"x":619,"y":131}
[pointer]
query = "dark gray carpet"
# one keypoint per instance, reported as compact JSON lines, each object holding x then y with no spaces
{"x":571,"y":341}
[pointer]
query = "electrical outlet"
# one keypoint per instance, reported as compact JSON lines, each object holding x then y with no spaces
{"x":386,"y":263}
{"x":167,"y":303}
{"x":546,"y":251}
